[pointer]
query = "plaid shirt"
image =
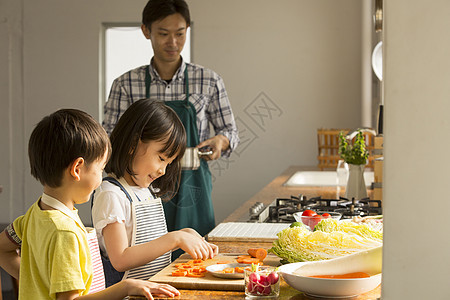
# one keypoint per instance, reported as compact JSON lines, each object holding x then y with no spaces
{"x":207,"y":93}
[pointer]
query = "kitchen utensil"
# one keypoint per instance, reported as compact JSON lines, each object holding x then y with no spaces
{"x":380,"y":119}
{"x":377,"y":60}
{"x":378,"y":17}
{"x":324,"y":287}
{"x":191,"y":158}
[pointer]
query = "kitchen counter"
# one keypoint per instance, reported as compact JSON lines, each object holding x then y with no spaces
{"x":273,"y":190}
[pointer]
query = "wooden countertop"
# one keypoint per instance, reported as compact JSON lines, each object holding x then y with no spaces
{"x":269,"y":193}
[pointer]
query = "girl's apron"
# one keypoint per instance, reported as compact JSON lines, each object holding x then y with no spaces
{"x":98,"y":277}
{"x":148,"y":224}
{"x":192,"y":206}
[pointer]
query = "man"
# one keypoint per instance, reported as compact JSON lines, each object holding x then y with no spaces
{"x":198,"y":96}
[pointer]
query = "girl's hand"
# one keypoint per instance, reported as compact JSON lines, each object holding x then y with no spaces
{"x":195,"y":245}
{"x":147,"y":288}
{"x":215,"y":248}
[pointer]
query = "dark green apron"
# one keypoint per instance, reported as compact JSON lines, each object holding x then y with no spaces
{"x":191,"y":207}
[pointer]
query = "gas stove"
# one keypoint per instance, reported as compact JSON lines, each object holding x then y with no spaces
{"x":281,"y":210}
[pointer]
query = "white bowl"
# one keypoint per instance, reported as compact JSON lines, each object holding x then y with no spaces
{"x":306,"y":220}
{"x":331,"y":288}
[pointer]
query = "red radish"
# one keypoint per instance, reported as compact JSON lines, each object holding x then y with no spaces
{"x":263,"y":280}
{"x":263,"y":290}
{"x":273,"y":278}
{"x":251,"y":286}
{"x":254,"y":277}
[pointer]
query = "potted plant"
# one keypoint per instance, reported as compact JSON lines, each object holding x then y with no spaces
{"x":355,"y":155}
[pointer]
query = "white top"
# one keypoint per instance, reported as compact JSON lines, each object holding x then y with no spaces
{"x":112,"y":205}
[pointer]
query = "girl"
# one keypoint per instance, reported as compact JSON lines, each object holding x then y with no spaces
{"x":147,"y":145}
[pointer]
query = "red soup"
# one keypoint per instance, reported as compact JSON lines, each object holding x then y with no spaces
{"x":343,"y":276}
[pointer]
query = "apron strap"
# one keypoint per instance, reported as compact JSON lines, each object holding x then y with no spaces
{"x":117,"y":183}
{"x":148,"y":80}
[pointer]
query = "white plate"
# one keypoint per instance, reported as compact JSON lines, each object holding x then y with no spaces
{"x":214,"y":270}
{"x":330,"y":288}
{"x":377,"y":60}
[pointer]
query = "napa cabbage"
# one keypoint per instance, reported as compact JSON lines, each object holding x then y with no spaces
{"x":300,"y":244}
{"x":361,"y":229}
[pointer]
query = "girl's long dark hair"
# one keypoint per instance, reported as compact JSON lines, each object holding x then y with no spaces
{"x":149,"y":120}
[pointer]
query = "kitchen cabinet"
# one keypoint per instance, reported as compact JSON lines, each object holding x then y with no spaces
{"x":273,"y":190}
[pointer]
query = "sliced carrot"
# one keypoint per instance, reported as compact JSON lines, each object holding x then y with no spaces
{"x":239,"y":269}
{"x":251,"y":260}
{"x":196,"y":262}
{"x":198,"y":269}
{"x":184,"y":266}
{"x":223,"y":262}
{"x":228,"y":270}
{"x":179,"y":273}
{"x":193,"y":274}
{"x":259,"y":253}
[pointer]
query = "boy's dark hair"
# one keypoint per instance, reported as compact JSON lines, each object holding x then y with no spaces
{"x":156,"y":10}
{"x":148,"y":120}
{"x":59,"y":139}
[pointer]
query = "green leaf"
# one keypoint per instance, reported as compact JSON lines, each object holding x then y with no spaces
{"x":355,"y":154}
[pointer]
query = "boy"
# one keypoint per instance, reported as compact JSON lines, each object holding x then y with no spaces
{"x":68,"y":151}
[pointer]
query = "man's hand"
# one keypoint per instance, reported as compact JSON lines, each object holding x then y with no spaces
{"x":217,"y":144}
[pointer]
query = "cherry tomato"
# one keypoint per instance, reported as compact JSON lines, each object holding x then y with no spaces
{"x":314,"y":221}
{"x":326,"y":215}
{"x":306,"y":216}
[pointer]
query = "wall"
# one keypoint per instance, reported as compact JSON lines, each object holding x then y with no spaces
{"x":302,"y":59}
{"x":417,"y":71}
{"x":289,"y":67}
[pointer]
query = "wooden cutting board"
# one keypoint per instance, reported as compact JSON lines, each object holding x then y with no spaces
{"x":209,"y":282}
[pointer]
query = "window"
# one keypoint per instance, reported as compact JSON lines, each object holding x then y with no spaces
{"x":124,"y":48}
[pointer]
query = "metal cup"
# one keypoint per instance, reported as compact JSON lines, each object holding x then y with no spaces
{"x":191,"y":158}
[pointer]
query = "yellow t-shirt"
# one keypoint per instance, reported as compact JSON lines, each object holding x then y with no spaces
{"x":55,"y":254}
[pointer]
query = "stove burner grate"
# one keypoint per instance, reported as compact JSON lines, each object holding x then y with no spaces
{"x":283,"y":209}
